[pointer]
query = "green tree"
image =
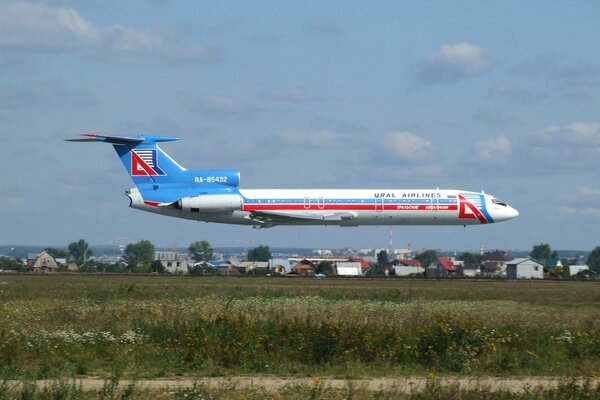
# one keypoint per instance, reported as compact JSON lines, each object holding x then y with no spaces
{"x":427,"y":257}
{"x":593,"y":260}
{"x":158,"y":267}
{"x":57,"y":253}
{"x":201,"y":251}
{"x":140,"y":254}
{"x":471,"y":258}
{"x":542,"y":251}
{"x":260,"y":253}
{"x":382,"y":259}
{"x":325,"y":268}
{"x":8,"y":264}
{"x":79,"y":251}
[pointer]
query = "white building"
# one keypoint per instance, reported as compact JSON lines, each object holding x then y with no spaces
{"x":174,"y":263}
{"x":405,"y":270}
{"x":575,"y":269}
{"x":524,"y":268}
{"x":349,"y":269}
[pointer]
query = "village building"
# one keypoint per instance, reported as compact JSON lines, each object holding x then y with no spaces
{"x":406,"y":267}
{"x":280,"y":266}
{"x":348,"y":269}
{"x":250,"y":267}
{"x":494,"y":263}
{"x":576,"y":269}
{"x":471,"y":269}
{"x":304,"y":268}
{"x":524,"y":268}
{"x":44,"y":263}
{"x":441,"y":267}
{"x":173,"y":262}
{"x":552,"y":266}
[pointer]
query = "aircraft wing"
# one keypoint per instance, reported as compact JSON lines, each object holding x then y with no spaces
{"x":286,"y":217}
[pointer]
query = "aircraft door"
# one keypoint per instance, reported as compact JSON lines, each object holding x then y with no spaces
{"x":321,"y":203}
{"x":306,"y":203}
{"x":378,"y":203}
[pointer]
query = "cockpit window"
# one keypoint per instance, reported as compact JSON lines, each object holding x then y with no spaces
{"x":498,"y":201}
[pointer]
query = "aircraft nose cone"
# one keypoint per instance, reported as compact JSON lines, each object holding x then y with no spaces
{"x":508,"y":213}
{"x":504,"y":213}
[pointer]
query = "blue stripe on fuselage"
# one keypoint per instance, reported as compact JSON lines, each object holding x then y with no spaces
{"x":484,"y":210}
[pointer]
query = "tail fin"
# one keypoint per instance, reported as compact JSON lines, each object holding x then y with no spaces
{"x":145,"y":162}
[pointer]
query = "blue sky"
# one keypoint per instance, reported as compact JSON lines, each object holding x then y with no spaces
{"x":494,"y":96}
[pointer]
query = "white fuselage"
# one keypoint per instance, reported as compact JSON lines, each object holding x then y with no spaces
{"x":347,"y":207}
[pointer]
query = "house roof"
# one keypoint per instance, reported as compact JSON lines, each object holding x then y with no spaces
{"x":446,"y":262}
{"x":522,"y":260}
{"x":411,"y":263}
{"x":491,"y":266}
{"x":363,"y":263}
{"x":550,"y":262}
{"x":497,"y":256}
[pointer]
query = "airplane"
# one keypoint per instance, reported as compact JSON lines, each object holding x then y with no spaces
{"x":165,"y":187}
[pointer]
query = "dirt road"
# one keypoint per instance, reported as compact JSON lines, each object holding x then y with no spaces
{"x":273,"y":384}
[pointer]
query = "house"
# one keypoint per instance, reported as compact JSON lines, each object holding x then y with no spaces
{"x":364,"y":264}
{"x":524,"y":268}
{"x":445,"y":263}
{"x":250,"y":267}
{"x":349,"y":269}
{"x":280,"y":265}
{"x":471,"y":269}
{"x":553,"y":266}
{"x":226,"y":268}
{"x":44,"y":263}
{"x":407,"y":267}
{"x":441,"y":267}
{"x":494,"y":263}
{"x":304,"y":268}
{"x":174,"y":263}
{"x":576,"y":269}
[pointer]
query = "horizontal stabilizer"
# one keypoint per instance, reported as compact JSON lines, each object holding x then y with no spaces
{"x":128,"y":140}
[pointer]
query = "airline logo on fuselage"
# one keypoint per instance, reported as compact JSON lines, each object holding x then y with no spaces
{"x":468,"y":210}
{"x":145,"y":163}
{"x":409,"y":195}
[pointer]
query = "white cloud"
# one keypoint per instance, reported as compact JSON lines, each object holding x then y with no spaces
{"x":452,"y":62}
{"x":491,"y":151}
{"x":132,"y":45}
{"x":41,"y":26}
{"x":577,"y":133}
{"x":588,"y":191}
{"x":321,"y":138}
{"x":25,"y":25}
{"x":406,"y":146}
{"x":561,"y":149}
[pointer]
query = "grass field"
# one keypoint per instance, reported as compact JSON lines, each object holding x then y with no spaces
{"x":64,"y":326}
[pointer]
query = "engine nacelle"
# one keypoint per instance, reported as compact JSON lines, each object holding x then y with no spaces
{"x":210,"y":203}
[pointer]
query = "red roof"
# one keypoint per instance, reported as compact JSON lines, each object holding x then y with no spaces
{"x":363,"y":263}
{"x":446,"y":263}
{"x":411,"y":263}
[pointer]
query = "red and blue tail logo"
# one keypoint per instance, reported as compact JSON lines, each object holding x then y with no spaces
{"x":145,"y":163}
